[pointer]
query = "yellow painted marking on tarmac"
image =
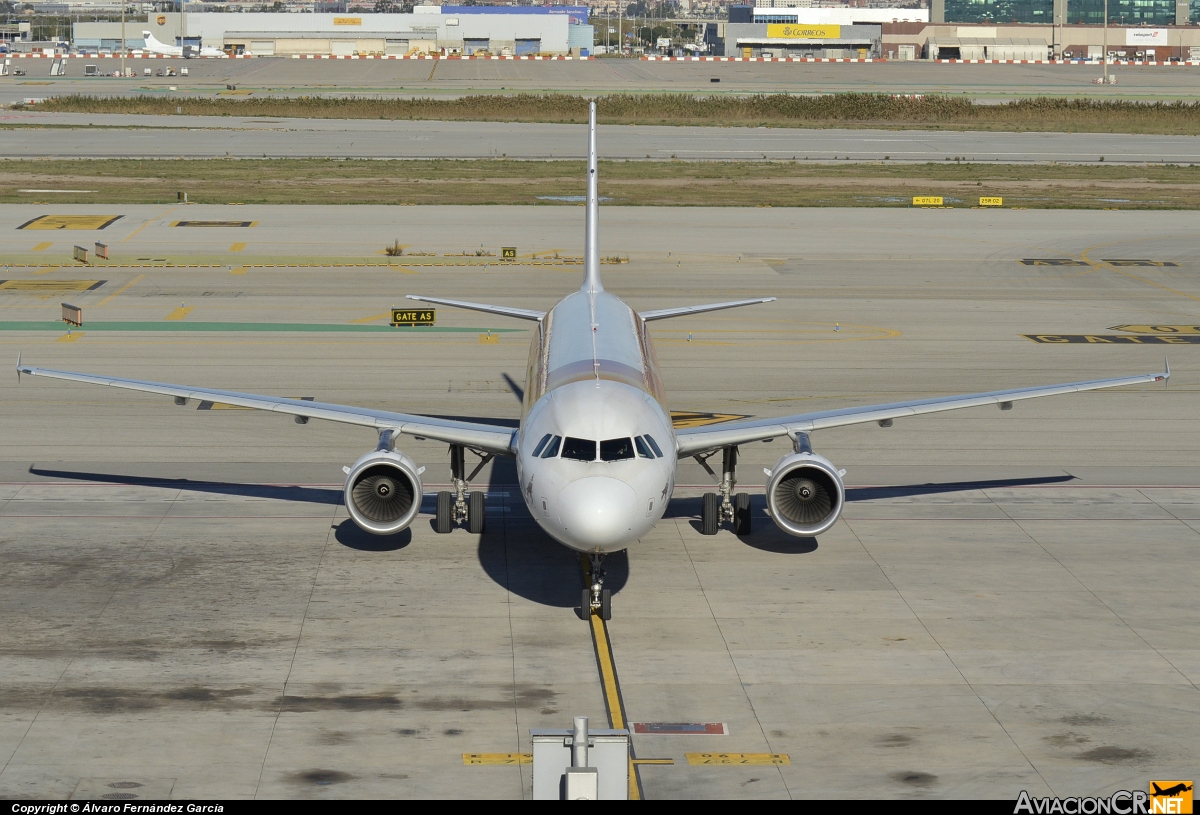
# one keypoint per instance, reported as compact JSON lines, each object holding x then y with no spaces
{"x":608,"y":680}
{"x":180,"y":313}
{"x":371,"y":319}
{"x":652,"y":761}
{"x":48,"y":270}
{"x":84,"y":222}
{"x":238,"y":270}
{"x":497,"y":758}
{"x":1158,"y":329}
{"x":237,"y":247}
{"x":1100,"y":264}
{"x":489,"y":339}
{"x":708,"y":759}
{"x":70,"y":336}
{"x":48,"y":286}
{"x":688,"y":418}
{"x":129,"y":237}
{"x":43,"y":246}
{"x":120,"y":290}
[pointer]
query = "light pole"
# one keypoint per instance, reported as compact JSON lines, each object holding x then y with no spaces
{"x":1105,"y":42}
{"x":123,"y":38}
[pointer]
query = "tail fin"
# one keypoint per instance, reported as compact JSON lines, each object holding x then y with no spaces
{"x":591,"y":244}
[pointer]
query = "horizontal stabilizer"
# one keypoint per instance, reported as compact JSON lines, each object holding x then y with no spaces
{"x":664,"y":313}
{"x":507,"y":311}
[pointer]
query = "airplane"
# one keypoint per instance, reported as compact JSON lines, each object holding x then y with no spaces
{"x":1170,"y":792}
{"x":596,"y":452}
{"x":156,"y":47}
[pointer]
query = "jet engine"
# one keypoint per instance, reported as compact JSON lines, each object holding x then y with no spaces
{"x":805,"y":494}
{"x":383,"y":491}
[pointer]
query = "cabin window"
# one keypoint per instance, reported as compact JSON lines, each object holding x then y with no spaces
{"x":552,"y":448}
{"x":537,"y":451}
{"x":616,"y":449}
{"x":643,"y":449}
{"x":654,"y":445}
{"x":579,"y":449}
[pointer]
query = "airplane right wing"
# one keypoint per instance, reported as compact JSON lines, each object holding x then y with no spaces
{"x":664,"y":313}
{"x":693,"y":440}
{"x":477,"y":435}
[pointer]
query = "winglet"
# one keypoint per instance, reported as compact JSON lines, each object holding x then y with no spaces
{"x":18,"y":367}
{"x":591,"y":245}
{"x":1167,"y":369}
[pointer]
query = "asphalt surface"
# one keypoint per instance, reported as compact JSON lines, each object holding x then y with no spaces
{"x":63,"y":135}
{"x":296,"y":77}
{"x":1003,"y":607}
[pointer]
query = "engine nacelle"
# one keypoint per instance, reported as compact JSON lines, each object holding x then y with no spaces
{"x":383,"y":492}
{"x":805,"y":494}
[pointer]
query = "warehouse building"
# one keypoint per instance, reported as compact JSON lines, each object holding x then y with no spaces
{"x":428,"y":30}
{"x":790,"y":40}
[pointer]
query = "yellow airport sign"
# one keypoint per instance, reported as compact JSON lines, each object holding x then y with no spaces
{"x":347,"y":20}
{"x":414,"y":316}
{"x":70,"y":222}
{"x":793,"y":31}
{"x":508,"y":253}
{"x":991,"y":201}
{"x":705,"y":759}
{"x":927,"y":201}
{"x":497,"y":758}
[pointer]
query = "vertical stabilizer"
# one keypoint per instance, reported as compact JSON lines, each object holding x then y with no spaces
{"x":591,"y":244}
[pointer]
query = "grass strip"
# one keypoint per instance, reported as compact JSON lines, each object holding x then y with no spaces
{"x":561,"y":183}
{"x":769,"y":110}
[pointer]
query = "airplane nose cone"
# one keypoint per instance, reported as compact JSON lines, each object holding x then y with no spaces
{"x":598,"y":511}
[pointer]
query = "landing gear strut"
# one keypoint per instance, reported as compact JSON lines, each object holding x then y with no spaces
{"x":462,"y":506}
{"x":724,"y":506}
{"x":596,"y":598}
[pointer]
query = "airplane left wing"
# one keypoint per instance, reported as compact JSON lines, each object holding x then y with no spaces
{"x":480,"y":436}
{"x":691,"y":441}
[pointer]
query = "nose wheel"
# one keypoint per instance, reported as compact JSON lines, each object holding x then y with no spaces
{"x":596,"y":599}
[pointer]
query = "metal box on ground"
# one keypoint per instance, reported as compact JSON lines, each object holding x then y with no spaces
{"x":606,"y":751}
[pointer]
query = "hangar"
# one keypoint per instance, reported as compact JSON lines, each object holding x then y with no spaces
{"x":793,"y":40}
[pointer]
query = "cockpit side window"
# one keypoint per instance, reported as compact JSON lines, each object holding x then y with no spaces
{"x":552,"y":448}
{"x":654,"y":445}
{"x":643,"y":449}
{"x":537,"y":451}
{"x":579,"y":449}
{"x":616,"y":449}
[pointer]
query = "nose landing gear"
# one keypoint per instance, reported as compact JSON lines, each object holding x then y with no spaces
{"x":724,"y":506}
{"x":462,"y":506}
{"x":596,"y":599}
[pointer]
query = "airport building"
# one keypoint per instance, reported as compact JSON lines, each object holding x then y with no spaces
{"x":428,"y":30}
{"x":801,"y":40}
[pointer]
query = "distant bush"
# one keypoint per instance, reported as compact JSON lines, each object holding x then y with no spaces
{"x":781,"y":110}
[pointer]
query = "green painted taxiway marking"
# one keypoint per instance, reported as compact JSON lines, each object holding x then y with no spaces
{"x":230,"y":327}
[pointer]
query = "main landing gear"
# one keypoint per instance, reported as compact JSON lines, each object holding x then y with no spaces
{"x":596,"y":599}
{"x":462,"y":506}
{"x":724,"y":506}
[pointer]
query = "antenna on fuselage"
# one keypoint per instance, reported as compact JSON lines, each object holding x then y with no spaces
{"x":591,"y":243}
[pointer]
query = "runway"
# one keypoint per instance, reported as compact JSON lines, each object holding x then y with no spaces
{"x":71,"y":135}
{"x":277,"y":76}
{"x":1003,"y":607}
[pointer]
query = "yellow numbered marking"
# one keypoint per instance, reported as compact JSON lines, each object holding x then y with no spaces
{"x":70,"y":222}
{"x":991,"y":201}
{"x":927,"y":200}
{"x":738,"y":758}
{"x":1159,"y":329}
{"x":497,"y":758}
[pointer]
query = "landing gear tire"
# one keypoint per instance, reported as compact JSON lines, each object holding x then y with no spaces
{"x":741,"y":513}
{"x":476,"y":513}
{"x":710,"y":514}
{"x":606,"y":605}
{"x":444,"y":520}
{"x":585,"y":604}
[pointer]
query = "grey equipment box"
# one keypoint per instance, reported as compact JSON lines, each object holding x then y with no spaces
{"x":608,"y":752}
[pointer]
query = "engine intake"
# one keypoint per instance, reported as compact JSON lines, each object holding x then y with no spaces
{"x":383,"y":492}
{"x":805,"y":494}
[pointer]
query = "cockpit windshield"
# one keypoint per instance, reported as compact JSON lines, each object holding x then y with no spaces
{"x":579,"y":449}
{"x":616,"y":449}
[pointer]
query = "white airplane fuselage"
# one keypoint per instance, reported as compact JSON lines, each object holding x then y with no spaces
{"x":597,"y":484}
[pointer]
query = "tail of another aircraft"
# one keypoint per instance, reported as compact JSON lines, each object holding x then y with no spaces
{"x":591,"y":244}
